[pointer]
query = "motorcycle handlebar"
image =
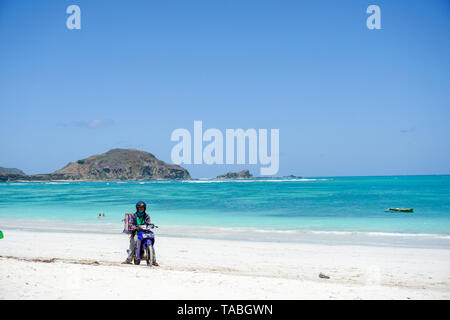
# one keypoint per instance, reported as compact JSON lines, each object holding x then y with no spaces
{"x":152,"y":226}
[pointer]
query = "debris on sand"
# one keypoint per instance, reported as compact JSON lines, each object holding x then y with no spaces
{"x":323,"y":276}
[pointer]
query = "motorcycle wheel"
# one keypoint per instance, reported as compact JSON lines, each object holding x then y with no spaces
{"x":149,"y":256}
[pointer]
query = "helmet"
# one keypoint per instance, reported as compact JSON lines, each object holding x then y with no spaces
{"x":141,"y":204}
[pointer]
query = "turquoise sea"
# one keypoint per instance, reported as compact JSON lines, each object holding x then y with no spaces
{"x":329,"y":210}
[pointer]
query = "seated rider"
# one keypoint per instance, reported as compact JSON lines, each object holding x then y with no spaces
{"x":140,"y":217}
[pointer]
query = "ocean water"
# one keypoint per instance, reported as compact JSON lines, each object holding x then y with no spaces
{"x":330,"y":210}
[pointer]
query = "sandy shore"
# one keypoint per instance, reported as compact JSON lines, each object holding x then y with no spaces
{"x":44,"y":265}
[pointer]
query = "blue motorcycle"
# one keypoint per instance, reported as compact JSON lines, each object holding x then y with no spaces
{"x":144,"y":245}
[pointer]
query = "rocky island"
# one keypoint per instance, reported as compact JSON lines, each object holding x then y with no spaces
{"x":116,"y":164}
{"x":291,"y":176}
{"x":244,"y":174}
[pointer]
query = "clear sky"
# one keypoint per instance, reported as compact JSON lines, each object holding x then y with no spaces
{"x":347,"y":100}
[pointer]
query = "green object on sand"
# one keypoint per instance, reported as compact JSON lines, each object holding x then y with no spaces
{"x":1,"y":234}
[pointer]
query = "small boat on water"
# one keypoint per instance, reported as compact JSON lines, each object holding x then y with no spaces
{"x":401,"y":209}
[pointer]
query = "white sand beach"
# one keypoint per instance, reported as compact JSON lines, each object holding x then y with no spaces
{"x":47,"y":265}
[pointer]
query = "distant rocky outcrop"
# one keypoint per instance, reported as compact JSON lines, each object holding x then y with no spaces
{"x":116,"y":164}
{"x":244,"y":174}
{"x":8,"y":177}
{"x":11,"y":171}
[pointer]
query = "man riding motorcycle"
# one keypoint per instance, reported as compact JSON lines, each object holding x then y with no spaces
{"x":140,"y":217}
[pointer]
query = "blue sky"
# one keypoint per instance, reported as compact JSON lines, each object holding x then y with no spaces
{"x":347,"y":100}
